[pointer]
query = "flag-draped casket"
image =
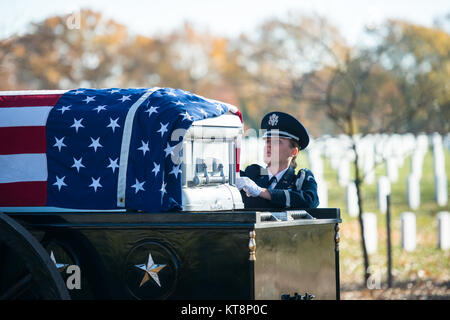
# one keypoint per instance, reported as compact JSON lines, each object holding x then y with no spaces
{"x":97,"y":148}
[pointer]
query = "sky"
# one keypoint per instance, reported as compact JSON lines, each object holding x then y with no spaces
{"x":224,"y":17}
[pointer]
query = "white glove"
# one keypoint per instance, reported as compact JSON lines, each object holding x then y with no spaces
{"x":249,"y":186}
{"x":240,"y":182}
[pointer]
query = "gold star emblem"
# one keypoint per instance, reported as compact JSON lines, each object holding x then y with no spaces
{"x":151,"y":270}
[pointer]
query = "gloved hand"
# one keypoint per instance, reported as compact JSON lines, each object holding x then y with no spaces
{"x":249,"y":186}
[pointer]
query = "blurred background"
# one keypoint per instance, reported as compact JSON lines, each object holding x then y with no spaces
{"x":369,"y":79}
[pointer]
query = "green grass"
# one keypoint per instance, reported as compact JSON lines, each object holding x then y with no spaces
{"x":426,"y":262}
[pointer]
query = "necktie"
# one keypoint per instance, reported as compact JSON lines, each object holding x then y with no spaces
{"x":271,"y":181}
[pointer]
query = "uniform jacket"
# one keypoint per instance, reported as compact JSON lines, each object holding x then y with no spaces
{"x":292,"y":191}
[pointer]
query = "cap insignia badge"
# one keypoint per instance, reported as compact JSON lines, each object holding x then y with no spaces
{"x":273,"y":120}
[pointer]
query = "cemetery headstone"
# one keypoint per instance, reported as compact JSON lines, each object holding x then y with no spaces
{"x":408,"y":231}
{"x":413,"y":191}
{"x":370,"y":231}
{"x":352,"y":200}
{"x":383,"y":189}
{"x":443,"y":230}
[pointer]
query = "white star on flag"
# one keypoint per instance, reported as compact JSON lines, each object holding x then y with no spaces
{"x":77,"y":124}
{"x":64,"y":108}
{"x":144,"y":147}
{"x":114,"y":91}
{"x":172,"y":93}
{"x":89,"y":99}
{"x":169,"y":150}
{"x":113,"y":164}
{"x":151,"y":110}
{"x":59,"y":143}
{"x":219,"y":107}
{"x":95,"y":144}
{"x":163,"y":189}
{"x":176,"y":170}
{"x":179,"y":103}
{"x":203,"y":111}
{"x":186,"y":115}
{"x":100,"y":108}
{"x":163,"y":128}
{"x":78,"y":92}
{"x":77,"y":164}
{"x":60,"y":182}
{"x":95,"y":184}
{"x":124,"y":98}
{"x":156,"y":168}
{"x":138,"y":186}
{"x":113,"y":124}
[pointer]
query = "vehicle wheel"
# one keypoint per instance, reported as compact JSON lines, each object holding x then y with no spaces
{"x":26,"y":270}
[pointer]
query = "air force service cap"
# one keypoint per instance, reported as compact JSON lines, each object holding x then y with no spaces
{"x":283,"y":125}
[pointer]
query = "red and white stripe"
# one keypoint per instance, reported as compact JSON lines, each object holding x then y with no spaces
{"x":234,"y":110}
{"x":23,"y":144}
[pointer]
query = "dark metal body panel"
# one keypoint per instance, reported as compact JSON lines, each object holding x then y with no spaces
{"x":293,"y":259}
{"x":204,"y":255}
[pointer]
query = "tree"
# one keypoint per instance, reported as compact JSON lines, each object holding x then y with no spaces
{"x":277,"y":56}
{"x":53,"y":56}
{"x":418,"y":59}
{"x":102,"y":53}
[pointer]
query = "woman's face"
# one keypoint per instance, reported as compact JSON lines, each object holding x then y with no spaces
{"x":278,"y":150}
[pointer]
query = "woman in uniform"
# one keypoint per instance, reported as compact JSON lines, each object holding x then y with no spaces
{"x":277,"y":185}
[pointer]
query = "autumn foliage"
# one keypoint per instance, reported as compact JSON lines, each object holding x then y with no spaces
{"x":300,"y":65}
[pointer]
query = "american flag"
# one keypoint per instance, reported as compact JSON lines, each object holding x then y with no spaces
{"x":97,"y":148}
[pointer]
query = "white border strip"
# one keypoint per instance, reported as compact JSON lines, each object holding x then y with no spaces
{"x":125,"y":148}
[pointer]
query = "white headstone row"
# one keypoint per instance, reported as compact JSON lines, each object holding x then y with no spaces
{"x":372,"y":149}
{"x":408,"y":231}
{"x":390,"y":149}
